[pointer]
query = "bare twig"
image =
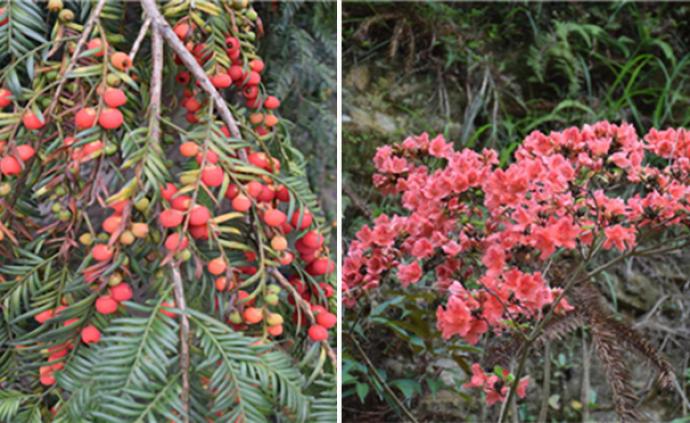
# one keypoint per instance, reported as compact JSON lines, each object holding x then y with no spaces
{"x":77,"y":50}
{"x":140,"y":38}
{"x":584,"y":394}
{"x":546,"y":386}
{"x":180,"y":303}
{"x":161,"y":25}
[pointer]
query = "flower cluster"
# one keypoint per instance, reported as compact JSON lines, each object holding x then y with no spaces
{"x":483,"y":232}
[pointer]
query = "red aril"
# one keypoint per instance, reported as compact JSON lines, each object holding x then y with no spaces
{"x":241,"y":203}
{"x":114,"y":97}
{"x":326,"y":319}
{"x":212,"y":176}
{"x":199,"y":215}
{"x":121,"y":292}
{"x":271,"y":102}
{"x":110,"y":118}
{"x":318,"y":333}
{"x":171,"y":218}
{"x":31,"y":121}
{"x":106,"y":305}
{"x":274,"y":217}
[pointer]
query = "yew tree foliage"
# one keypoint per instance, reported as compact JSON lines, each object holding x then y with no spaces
{"x":162,"y":256}
{"x":505,"y":246}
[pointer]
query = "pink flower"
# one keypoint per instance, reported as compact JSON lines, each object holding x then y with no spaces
{"x":409,"y":273}
{"x":619,"y":236}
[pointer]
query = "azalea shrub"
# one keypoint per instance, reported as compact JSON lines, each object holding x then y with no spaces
{"x":505,"y":247}
{"x":162,"y":255}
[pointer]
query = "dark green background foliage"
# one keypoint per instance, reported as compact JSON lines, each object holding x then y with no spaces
{"x":486,"y":75}
{"x":301,"y":45}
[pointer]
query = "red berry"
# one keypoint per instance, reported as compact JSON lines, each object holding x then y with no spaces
{"x":192,"y":104}
{"x":176,"y":243}
{"x":171,"y":218}
{"x":110,"y":118}
{"x":326,"y":319}
{"x":221,"y":80}
{"x":275,"y":218}
{"x":168,"y":313}
{"x":168,"y":191}
{"x":259,"y":160}
{"x":182,"y":30}
{"x":217,"y":266}
{"x":199,"y":215}
{"x":212,"y":176}
{"x":183,"y":77}
{"x":90,"y":334}
{"x":313,"y":240}
{"x":236,"y":72}
{"x":10,"y":166}
{"x":307,"y":218}
{"x":254,"y":189}
{"x":283,"y":194}
{"x":253,"y":79}
{"x":101,"y":252}
{"x":319,"y":267}
{"x":232,"y":191}
{"x":189,"y":149}
{"x":241,"y":203}
{"x":318,"y":333}
{"x":199,"y":232}
{"x":85,"y":118}
{"x":233,"y":43}
{"x":257,"y":65}
{"x":5,"y":98}
{"x":271,"y":102}
{"x":106,"y":305}
{"x":211,"y":157}
{"x":25,"y":152}
{"x":253,"y":315}
{"x":31,"y":121}
{"x":114,"y":97}
{"x":121,"y":292}
{"x":181,"y":202}
{"x":94,"y":44}
{"x":111,"y":224}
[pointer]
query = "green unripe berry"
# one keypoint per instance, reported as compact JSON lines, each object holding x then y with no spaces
{"x":5,"y":189}
{"x":274,"y":289}
{"x":271,"y":299}
{"x":142,"y":204}
{"x":115,"y":279}
{"x":86,"y":239}
{"x":235,"y":317}
{"x":274,"y":319}
{"x":113,"y":80}
{"x":66,"y":15}
{"x":184,"y":255}
{"x":56,"y":208}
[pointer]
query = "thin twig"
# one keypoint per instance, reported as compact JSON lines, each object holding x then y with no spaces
{"x":77,"y":50}
{"x":584,"y":395}
{"x":383,"y":383}
{"x":161,"y":25}
{"x":140,"y":38}
{"x":180,"y":303}
{"x":546,"y":386}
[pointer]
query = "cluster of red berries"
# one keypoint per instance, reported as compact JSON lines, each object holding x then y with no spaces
{"x":247,"y":79}
{"x":12,"y":162}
